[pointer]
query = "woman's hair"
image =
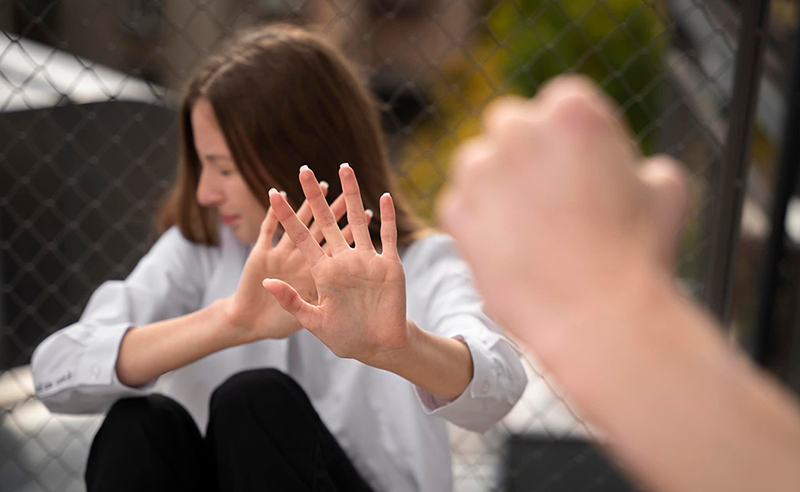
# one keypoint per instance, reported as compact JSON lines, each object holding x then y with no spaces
{"x":283,"y":97}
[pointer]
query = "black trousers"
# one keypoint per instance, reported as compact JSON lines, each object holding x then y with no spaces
{"x":263,"y":435}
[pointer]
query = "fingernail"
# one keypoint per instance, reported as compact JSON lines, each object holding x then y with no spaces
{"x":369,"y":213}
{"x":264,"y":282}
{"x":283,"y":193}
{"x":272,"y":191}
{"x":344,"y":165}
{"x":304,"y":168}
{"x":323,"y":184}
{"x":386,"y":194}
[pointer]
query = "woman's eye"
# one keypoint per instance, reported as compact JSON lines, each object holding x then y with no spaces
{"x":226,"y":173}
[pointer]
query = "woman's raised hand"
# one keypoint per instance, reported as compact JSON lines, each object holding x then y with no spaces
{"x":252,"y":311}
{"x":361,"y":308}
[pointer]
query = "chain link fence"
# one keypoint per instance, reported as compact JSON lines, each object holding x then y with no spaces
{"x":88,"y":94}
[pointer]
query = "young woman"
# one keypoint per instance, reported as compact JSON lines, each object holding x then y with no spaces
{"x":211,"y":383}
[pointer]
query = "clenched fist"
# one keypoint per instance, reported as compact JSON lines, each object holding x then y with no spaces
{"x":556,"y":214}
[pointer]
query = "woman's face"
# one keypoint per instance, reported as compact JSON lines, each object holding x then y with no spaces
{"x":221,"y":186}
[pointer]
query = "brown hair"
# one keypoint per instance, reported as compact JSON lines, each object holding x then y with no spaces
{"x":284,"y":97}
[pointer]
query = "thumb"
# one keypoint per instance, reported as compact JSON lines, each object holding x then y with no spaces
{"x":668,"y":188}
{"x":291,"y":301}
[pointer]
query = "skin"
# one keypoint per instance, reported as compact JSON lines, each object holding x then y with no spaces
{"x":571,"y":237}
{"x":361,"y":311}
{"x":359,"y":296}
{"x":221,"y":185}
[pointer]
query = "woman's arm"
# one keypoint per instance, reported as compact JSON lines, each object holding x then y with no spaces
{"x":250,"y":314}
{"x":442,"y":300}
{"x":116,"y":347}
{"x":74,"y":368}
{"x":148,"y":351}
{"x":441,"y":366}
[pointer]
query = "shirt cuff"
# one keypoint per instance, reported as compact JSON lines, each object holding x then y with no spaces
{"x":486,"y":399}
{"x":478,"y":385}
{"x":98,"y":367}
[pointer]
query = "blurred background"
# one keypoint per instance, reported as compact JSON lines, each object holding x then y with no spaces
{"x":88,"y":94}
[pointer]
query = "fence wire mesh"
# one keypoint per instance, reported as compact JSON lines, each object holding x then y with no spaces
{"x":88,"y":94}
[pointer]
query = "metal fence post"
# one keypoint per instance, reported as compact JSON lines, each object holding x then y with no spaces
{"x":730,"y":182}
{"x":785,"y":184}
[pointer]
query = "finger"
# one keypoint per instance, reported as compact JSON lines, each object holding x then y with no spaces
{"x":304,"y":213}
{"x":322,"y":212}
{"x":447,"y":208}
{"x":347,"y":232}
{"x":296,"y":230}
{"x":291,"y":301}
{"x":668,"y":190}
{"x":356,"y":218}
{"x":576,"y":85}
{"x":471,"y":156}
{"x":388,"y":228}
{"x":268,"y":227}
{"x":338,"y":208}
{"x":570,"y":90}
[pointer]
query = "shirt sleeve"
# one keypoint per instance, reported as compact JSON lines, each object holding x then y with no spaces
{"x":441,"y":282}
{"x":74,"y":369}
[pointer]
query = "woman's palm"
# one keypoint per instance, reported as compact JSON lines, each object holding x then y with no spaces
{"x":362,"y":302}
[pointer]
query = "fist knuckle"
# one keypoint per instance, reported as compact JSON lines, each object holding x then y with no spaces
{"x":509,"y":121}
{"x":470,"y":160}
{"x":569,"y":84}
{"x":500,"y":110}
{"x":576,"y":116}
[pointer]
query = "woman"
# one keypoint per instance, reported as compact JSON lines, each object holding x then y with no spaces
{"x":192,"y":340}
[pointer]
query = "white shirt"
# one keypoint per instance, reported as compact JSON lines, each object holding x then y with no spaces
{"x":393,"y":431}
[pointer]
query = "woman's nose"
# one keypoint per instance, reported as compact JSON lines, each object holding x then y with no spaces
{"x":208,"y":193}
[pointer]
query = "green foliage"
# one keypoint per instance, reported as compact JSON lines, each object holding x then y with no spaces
{"x":618,"y":43}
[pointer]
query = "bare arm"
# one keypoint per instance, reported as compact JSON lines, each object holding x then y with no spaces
{"x":441,"y":366}
{"x":571,"y":236}
{"x":149,"y":351}
{"x":682,"y":410}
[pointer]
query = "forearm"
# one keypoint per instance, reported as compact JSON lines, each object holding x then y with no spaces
{"x":441,"y":366}
{"x":149,"y":351}
{"x":681,"y":409}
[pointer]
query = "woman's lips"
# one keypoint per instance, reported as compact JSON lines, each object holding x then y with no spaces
{"x":229,"y":219}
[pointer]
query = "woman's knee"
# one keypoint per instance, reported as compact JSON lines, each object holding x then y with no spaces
{"x":268,"y":391}
{"x":145,"y":441}
{"x":143,"y":423}
{"x":153,"y":411}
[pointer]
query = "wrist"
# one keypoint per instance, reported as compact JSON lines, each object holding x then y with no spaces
{"x":609,"y":347}
{"x":227,"y":330}
{"x":438,"y":365}
{"x":612,"y":317}
{"x":395,"y":358}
